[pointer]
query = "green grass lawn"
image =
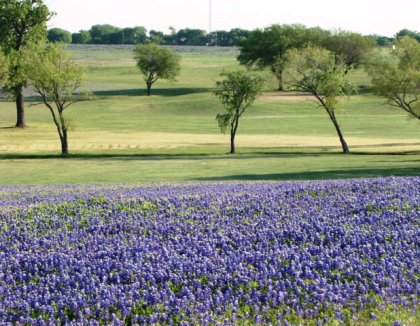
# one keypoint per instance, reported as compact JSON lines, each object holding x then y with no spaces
{"x":125,"y":136}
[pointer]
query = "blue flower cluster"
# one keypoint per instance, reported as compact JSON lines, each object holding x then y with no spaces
{"x":260,"y":253}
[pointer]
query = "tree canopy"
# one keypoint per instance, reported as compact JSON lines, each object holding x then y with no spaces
{"x":317,"y":71}
{"x":59,"y":35}
{"x":3,"y":68}
{"x":237,"y":91}
{"x":22,"y":22}
{"x":267,"y":48}
{"x":108,"y":34}
{"x":407,"y":32}
{"x":190,"y":36}
{"x":396,"y":75}
{"x":102,"y":34}
{"x":350,"y":47}
{"x":82,"y":37}
{"x":156,"y":63}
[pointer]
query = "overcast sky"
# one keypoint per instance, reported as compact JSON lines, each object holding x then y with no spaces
{"x":384,"y":17}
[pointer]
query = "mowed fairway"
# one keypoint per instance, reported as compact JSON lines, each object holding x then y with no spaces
{"x":124,"y":136}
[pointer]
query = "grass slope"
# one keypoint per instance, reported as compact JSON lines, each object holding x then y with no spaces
{"x":125,"y":136}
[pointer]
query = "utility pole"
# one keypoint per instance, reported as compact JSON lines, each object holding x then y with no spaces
{"x":210,"y":18}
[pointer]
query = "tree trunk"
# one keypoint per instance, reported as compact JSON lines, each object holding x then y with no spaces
{"x":232,"y":143}
{"x":340,"y":134}
{"x":233,"y":130}
{"x":64,"y":144}
{"x":280,"y":81}
{"x":20,"y":122}
{"x":149,"y":89}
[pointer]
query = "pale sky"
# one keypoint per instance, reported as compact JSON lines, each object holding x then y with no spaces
{"x":384,"y":17}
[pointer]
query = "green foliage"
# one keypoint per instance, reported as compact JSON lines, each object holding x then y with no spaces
{"x":396,"y":75}
{"x":82,"y":37}
{"x":56,"y":78}
{"x":319,"y":72}
{"x":16,"y":76}
{"x":134,"y":35}
{"x":191,"y":36}
{"x":3,"y":68}
{"x":316,"y":70}
{"x":54,"y":75}
{"x":351,"y":47}
{"x":227,"y":38}
{"x":380,"y":40}
{"x":156,"y":36}
{"x":156,"y":63}
{"x":406,"y":32}
{"x":102,"y":34}
{"x":267,"y":48}
{"x":263,"y":47}
{"x":59,"y":35}
{"x":22,"y":22}
{"x":237,"y":91}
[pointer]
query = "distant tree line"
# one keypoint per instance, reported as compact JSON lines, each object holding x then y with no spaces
{"x":108,"y":34}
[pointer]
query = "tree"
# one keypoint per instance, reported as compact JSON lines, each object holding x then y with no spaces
{"x":317,"y":71}
{"x":22,"y":22}
{"x":82,"y":37}
{"x":190,"y":36}
{"x":56,"y":78}
{"x":156,"y":63}
{"x":101,"y":34}
{"x":236,"y":36}
{"x":348,"y":46}
{"x":134,"y":35}
{"x":237,"y":91}
{"x":396,"y":75}
{"x":170,"y":39}
{"x":156,"y":37}
{"x":225,"y":38}
{"x":3,"y":68}
{"x":267,"y":48}
{"x":59,"y":35}
{"x":410,"y":33}
{"x":380,"y":40}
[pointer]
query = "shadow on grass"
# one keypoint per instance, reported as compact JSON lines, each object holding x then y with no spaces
{"x":158,"y":91}
{"x":319,"y":175}
{"x":211,"y":155}
{"x":160,"y":156}
{"x":37,"y":100}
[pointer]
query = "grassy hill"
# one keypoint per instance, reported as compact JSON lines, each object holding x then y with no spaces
{"x":125,"y":136}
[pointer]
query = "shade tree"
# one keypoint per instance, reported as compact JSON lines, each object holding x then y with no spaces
{"x":267,"y":48}
{"x":350,"y":48}
{"x":317,"y":71}
{"x":156,"y":63}
{"x":22,"y":23}
{"x":396,"y":75}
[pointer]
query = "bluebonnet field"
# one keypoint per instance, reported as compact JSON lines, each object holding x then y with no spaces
{"x":280,"y":253}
